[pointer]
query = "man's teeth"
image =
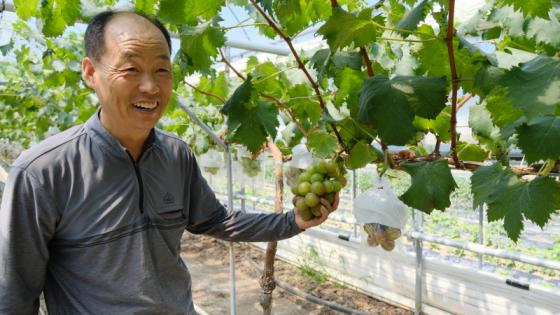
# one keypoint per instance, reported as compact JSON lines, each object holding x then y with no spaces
{"x":146,"y":105}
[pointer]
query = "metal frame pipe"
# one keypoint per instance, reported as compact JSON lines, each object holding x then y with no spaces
{"x":481,"y":249}
{"x":480,"y":233}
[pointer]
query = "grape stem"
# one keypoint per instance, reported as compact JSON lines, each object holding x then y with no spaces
{"x":278,"y":103}
{"x":454,"y":84}
{"x":300,"y":63}
{"x":221,"y":99}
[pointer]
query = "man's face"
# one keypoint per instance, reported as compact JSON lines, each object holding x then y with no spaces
{"x":133,"y":77}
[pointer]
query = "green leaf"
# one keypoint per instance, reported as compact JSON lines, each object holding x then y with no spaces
{"x":529,"y":7}
{"x":146,"y":6}
{"x":70,"y":10}
{"x":533,"y":87}
{"x":411,"y":19}
{"x":502,"y":111}
{"x":481,"y":123}
{"x":390,"y":105}
{"x":433,"y":59}
{"x":348,"y":82}
{"x":26,"y":8}
{"x":53,"y":21}
{"x":188,"y":11}
{"x":321,"y":144}
{"x":268,"y":79}
{"x":361,"y":155}
{"x":302,"y":105}
{"x":513,"y":199}
{"x":343,"y":28}
{"x":432,"y":183}
{"x":295,"y":15}
{"x":199,"y":45}
{"x":545,"y":31}
{"x":484,"y":182}
{"x":250,"y":123}
{"x":540,"y":139}
{"x":471,"y":152}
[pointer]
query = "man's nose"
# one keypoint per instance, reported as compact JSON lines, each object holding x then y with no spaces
{"x":148,"y":84}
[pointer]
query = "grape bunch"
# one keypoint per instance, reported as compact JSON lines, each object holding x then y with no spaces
{"x":250,"y":167}
{"x":322,"y":180}
{"x":379,"y":234}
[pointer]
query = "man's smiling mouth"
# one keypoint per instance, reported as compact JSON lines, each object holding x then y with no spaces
{"x":146,"y":105}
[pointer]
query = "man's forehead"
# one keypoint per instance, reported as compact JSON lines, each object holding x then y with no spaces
{"x":129,"y":26}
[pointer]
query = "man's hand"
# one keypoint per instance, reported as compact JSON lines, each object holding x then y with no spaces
{"x":326,"y":208}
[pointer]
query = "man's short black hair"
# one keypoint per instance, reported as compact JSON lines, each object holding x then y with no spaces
{"x":94,"y":38}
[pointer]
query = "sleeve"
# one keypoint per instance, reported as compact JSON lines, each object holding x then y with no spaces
{"x":26,"y":226}
{"x":208,"y":216}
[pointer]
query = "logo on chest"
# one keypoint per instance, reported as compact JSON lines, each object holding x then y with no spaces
{"x":168,"y":198}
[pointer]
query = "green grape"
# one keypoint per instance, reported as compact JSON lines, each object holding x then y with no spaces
{"x":306,"y":214}
{"x":329,"y":186}
{"x":331,"y":167}
{"x":300,"y":204}
{"x":304,"y":188}
{"x":304,"y":177}
{"x":342,"y":180}
{"x":321,"y":167}
{"x":295,"y":188}
{"x":311,"y":200}
{"x":336,"y":184}
{"x":316,"y":178}
{"x":318,"y":188}
{"x":330,"y":197}
{"x":316,"y":211}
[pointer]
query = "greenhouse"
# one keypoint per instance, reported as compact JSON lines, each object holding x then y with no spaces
{"x":279,"y":157}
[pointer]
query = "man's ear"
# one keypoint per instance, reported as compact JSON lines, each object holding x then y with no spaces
{"x":88,"y":69}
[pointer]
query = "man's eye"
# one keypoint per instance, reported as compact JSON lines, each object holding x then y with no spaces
{"x":163,"y":70}
{"x":131,"y":69}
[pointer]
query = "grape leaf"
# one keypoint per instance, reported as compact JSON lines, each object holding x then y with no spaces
{"x":533,"y":87}
{"x":199,"y":44}
{"x":484,"y":182}
{"x":53,"y":21}
{"x":502,"y":111}
{"x":529,"y":7}
{"x":348,"y":82}
{"x":545,"y":31}
{"x":25,"y":8}
{"x":146,"y":6}
{"x":481,"y":123}
{"x":432,"y":183}
{"x":295,"y":15}
{"x":188,"y":11}
{"x":540,"y":139}
{"x":268,"y":79}
{"x":433,"y":59}
{"x":513,"y":199}
{"x":70,"y":10}
{"x":303,"y":106}
{"x":249,"y":123}
{"x":343,"y":28}
{"x":471,"y":152}
{"x":390,"y":105}
{"x":321,"y":144}
{"x":361,"y":154}
{"x":411,"y":19}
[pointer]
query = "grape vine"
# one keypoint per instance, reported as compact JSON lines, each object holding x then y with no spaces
{"x":391,"y":73}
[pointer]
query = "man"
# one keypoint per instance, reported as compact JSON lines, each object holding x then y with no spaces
{"x":94,"y":215}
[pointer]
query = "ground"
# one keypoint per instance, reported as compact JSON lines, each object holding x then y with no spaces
{"x":208,"y":261}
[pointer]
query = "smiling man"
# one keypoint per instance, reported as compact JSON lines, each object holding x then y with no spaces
{"x":93,"y":216}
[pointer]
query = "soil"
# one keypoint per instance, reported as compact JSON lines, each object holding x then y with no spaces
{"x":208,"y":262}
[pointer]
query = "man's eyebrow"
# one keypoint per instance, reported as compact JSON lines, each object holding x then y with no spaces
{"x":131,"y":54}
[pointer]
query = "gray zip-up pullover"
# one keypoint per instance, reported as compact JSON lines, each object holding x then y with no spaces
{"x":100,"y":233}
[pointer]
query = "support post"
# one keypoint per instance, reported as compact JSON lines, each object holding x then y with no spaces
{"x":480,"y":234}
{"x":233,"y":299}
{"x":417,"y":216}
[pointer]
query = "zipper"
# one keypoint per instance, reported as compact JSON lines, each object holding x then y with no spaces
{"x":140,"y":182}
